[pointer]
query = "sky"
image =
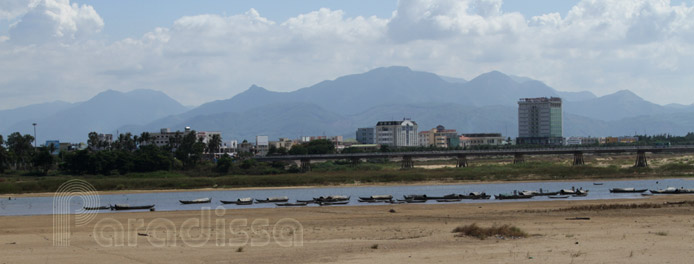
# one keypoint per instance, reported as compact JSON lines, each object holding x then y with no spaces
{"x":199,"y":51}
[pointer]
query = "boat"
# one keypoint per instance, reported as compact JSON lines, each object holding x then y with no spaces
{"x":104,"y":207}
{"x":672,"y":190}
{"x":581,"y":192}
{"x":240,"y":201}
{"x":567,"y":191}
{"x":281,"y":199}
{"x":475,"y":196}
{"x":627,"y":190}
{"x":196,"y":201}
{"x":647,"y":194}
{"x":376,"y":201}
{"x":512,"y":196}
{"x":377,"y":197}
{"x":333,"y":203}
{"x":449,"y":200}
{"x":447,"y":196}
{"x":291,"y":204}
{"x":332,"y":198}
{"x":132,"y":207}
{"x":558,"y":196}
{"x":412,"y":201}
{"x":597,"y":183}
{"x":543,"y":193}
{"x":415,"y":197}
{"x":307,"y":201}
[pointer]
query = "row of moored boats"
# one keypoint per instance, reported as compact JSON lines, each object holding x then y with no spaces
{"x":411,"y":198}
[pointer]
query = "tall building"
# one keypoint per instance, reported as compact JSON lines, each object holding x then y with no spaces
{"x":390,"y":133}
{"x":365,"y":135}
{"x":540,"y":121}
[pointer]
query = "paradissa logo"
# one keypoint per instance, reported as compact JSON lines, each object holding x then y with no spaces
{"x":198,"y":232}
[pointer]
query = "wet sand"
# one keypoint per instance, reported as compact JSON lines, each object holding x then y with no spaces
{"x":367,"y":234}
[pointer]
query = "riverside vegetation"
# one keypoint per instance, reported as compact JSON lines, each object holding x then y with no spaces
{"x":128,"y":164}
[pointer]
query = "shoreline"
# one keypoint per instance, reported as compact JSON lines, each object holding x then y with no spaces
{"x":386,"y":184}
{"x":405,"y":233}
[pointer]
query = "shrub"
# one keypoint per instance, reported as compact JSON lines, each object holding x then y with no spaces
{"x":505,"y":231}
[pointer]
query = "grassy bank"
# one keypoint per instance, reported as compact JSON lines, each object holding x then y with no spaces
{"x":335,"y":173}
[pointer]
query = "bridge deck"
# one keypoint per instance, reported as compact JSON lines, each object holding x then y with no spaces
{"x":492,"y":152}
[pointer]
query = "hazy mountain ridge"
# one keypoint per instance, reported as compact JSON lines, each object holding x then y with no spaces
{"x":487,"y":103}
{"x":105,"y":112}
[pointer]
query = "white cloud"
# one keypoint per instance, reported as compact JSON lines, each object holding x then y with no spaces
{"x":11,"y":9}
{"x":52,"y":20}
{"x":54,"y":51}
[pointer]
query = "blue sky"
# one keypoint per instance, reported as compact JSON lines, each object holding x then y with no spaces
{"x":132,"y":18}
{"x":199,"y":51}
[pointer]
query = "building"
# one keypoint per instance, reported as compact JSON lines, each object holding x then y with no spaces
{"x":166,"y":137}
{"x":285,"y":143}
{"x":623,"y":140}
{"x":53,"y":145}
{"x":439,"y":137}
{"x":262,"y":145}
{"x":574,"y":141}
{"x":397,"y":133}
{"x":540,"y":121}
{"x":366,"y":135}
{"x":478,"y":139}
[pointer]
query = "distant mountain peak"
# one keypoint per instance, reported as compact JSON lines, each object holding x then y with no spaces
{"x":625,"y":95}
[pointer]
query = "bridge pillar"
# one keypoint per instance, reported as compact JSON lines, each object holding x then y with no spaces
{"x":641,"y":161}
{"x":305,"y":165}
{"x":407,"y":162}
{"x":518,"y":158}
{"x":355,"y":161}
{"x":578,"y":158}
{"x":461,"y":162}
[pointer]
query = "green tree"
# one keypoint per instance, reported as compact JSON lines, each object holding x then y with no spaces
{"x":224,"y":164}
{"x":298,"y":149}
{"x":320,"y":146}
{"x":43,"y":160}
{"x":20,"y":148}
{"x":190,"y":150}
{"x":3,"y":155}
{"x":213,"y":144}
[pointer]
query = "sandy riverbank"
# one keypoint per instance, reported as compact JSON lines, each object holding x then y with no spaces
{"x":372,"y":234}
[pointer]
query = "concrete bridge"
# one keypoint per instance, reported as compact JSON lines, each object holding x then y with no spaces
{"x":461,"y":155}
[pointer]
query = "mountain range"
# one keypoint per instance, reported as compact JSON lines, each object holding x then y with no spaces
{"x":487,"y":103}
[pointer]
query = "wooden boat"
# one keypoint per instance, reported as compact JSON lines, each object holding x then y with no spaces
{"x":415,"y":197}
{"x":376,"y":201}
{"x":627,"y":190}
{"x":449,"y":200}
{"x":567,"y":191}
{"x":558,"y":196}
{"x":291,"y":204}
{"x":281,"y":199}
{"x":581,"y":193}
{"x":447,"y":196}
{"x":240,"y":201}
{"x":377,"y":197}
{"x":412,"y":201}
{"x":132,"y":207}
{"x":512,"y":196}
{"x":597,"y":183}
{"x":196,"y":201}
{"x":672,"y":190}
{"x":307,"y":201}
{"x":333,"y":203}
{"x":543,"y":193}
{"x":475,"y":196}
{"x":332,"y":198}
{"x":646,"y":194}
{"x":104,"y":207}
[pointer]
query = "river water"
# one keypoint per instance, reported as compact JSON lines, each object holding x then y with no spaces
{"x":169,"y":201}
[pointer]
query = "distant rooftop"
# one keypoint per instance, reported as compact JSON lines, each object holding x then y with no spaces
{"x":540,"y":100}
